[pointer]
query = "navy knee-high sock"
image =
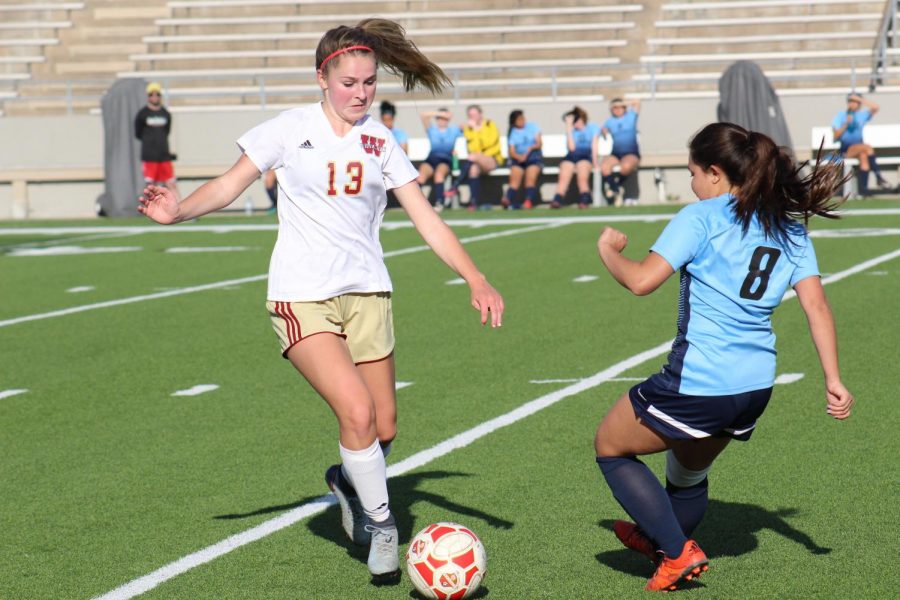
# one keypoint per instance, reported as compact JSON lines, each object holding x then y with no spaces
{"x":531,"y":193}
{"x":511,"y":194}
{"x":689,"y":504}
{"x":463,"y":173}
{"x":474,"y":185}
{"x":873,"y":166}
{"x":439,"y":193}
{"x":862,"y":182}
{"x":642,"y":496}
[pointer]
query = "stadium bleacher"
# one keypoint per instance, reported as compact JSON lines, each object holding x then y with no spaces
{"x":59,"y":57}
{"x":236,"y":53}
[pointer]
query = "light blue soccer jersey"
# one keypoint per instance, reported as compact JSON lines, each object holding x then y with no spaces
{"x":854,"y":132}
{"x":730,"y":284}
{"x":400,"y":136}
{"x":443,"y":140}
{"x":624,"y":132}
{"x":524,"y":138}
{"x":584,"y":137}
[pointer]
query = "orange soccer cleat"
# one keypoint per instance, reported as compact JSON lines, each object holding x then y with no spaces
{"x":672,"y":571}
{"x":634,"y":538}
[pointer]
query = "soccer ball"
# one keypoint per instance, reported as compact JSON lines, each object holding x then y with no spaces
{"x":446,"y":561}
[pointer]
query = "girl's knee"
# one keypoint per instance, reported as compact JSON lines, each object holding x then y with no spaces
{"x":359,"y":419}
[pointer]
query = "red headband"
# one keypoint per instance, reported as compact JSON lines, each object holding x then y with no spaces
{"x":341,"y":51}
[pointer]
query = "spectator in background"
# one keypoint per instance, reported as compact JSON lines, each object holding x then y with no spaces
{"x":442,"y":138}
{"x":582,"y":141}
{"x":483,"y":143}
{"x":622,"y":126}
{"x":848,"y":130}
{"x":526,"y":161}
{"x":270,"y":181}
{"x":152,"y":125}
{"x":388,"y":112}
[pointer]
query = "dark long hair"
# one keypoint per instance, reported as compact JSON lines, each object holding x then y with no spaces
{"x":770,"y":184}
{"x":393,"y":51}
{"x":512,"y":120}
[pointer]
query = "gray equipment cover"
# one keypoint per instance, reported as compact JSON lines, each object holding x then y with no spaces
{"x":746,"y":98}
{"x":121,"y":150}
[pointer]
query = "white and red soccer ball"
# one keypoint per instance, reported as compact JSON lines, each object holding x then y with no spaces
{"x":446,"y":561}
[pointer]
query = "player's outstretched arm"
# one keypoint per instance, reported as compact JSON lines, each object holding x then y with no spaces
{"x":640,"y":278}
{"x":445,"y":244}
{"x":163,"y":206}
{"x":812,"y":299}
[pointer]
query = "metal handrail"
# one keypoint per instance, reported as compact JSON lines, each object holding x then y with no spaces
{"x":887,"y":36}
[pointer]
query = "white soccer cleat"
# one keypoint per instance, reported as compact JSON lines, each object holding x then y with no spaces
{"x":353,"y":519}
{"x":384,"y":553}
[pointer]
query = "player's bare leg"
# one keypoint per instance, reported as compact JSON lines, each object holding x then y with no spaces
{"x":325,"y":361}
{"x":566,"y":171}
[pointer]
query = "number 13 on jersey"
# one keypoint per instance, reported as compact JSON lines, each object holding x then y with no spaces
{"x":354,"y":171}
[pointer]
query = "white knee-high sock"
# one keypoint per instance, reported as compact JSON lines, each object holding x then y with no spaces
{"x":367,"y":472}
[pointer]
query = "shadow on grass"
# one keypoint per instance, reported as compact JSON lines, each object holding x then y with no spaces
{"x":728,"y":529}
{"x":404,"y":493}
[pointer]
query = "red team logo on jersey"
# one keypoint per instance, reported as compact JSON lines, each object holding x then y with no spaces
{"x":372,"y":145}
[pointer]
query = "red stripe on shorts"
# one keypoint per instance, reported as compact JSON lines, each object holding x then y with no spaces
{"x":279,"y":310}
{"x":294,"y":332}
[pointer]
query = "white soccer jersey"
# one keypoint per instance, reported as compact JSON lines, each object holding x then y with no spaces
{"x":331,"y":201}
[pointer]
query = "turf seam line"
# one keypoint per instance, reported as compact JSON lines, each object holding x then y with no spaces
{"x":182,"y":565}
{"x":230,"y":282}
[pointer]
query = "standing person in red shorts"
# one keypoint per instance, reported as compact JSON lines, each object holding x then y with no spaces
{"x":152,"y":126}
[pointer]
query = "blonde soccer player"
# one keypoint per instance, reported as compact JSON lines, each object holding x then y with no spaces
{"x":329,"y":292}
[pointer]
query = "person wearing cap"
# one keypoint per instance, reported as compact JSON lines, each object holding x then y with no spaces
{"x":847,"y":128}
{"x":152,"y":126}
{"x":622,"y":126}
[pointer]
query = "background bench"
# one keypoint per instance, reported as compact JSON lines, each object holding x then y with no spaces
{"x":884,"y":138}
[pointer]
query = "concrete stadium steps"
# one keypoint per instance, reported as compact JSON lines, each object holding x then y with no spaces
{"x":251,"y":8}
{"x":674,"y":10}
{"x":519,"y":34}
{"x":103,"y":36}
{"x":802,"y":43}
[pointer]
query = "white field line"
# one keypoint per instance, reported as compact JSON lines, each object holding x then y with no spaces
{"x":233,"y":282}
{"x":186,"y":563}
{"x":500,"y":222}
{"x":10,"y":393}
{"x":148,"y":582}
{"x":200,"y":388}
{"x":786,"y":378}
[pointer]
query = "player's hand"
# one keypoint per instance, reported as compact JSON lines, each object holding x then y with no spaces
{"x":159,"y":203}
{"x":488,"y":301}
{"x":612,"y":238}
{"x":839,"y":398}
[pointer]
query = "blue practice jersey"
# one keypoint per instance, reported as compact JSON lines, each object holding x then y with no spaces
{"x":730,"y":284}
{"x":524,"y":138}
{"x":400,"y":136}
{"x":624,"y":132}
{"x":443,"y":141}
{"x":584,"y":137}
{"x":854,"y":132}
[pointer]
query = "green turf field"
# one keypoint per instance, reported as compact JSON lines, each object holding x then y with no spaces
{"x":110,"y":480}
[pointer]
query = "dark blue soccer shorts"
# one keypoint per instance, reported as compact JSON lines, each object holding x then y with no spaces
{"x":683,"y":417}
